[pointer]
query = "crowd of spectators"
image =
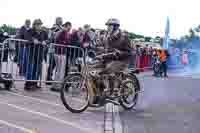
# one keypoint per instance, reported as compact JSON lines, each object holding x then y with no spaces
{"x":39,"y":37}
{"x":145,"y":58}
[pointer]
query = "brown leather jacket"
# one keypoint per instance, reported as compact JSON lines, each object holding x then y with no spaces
{"x":121,"y":43}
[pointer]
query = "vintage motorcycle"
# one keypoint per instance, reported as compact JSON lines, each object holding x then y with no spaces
{"x":79,"y":90}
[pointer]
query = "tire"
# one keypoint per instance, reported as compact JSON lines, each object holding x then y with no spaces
{"x":66,"y":87}
{"x":7,"y":80}
{"x":134,"y":81}
{"x":157,"y":68}
{"x":8,"y":85}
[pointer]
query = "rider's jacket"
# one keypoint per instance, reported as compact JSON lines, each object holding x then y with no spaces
{"x":121,"y":43}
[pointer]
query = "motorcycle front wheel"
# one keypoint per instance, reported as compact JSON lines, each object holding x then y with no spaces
{"x":74,"y":95}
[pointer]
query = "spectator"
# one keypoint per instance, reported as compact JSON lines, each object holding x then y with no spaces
{"x":150,"y":56}
{"x":52,"y":33}
{"x":86,"y":38}
{"x":35,"y":54}
{"x":145,"y":57}
{"x":21,"y":50}
{"x":184,"y":59}
{"x":23,"y":30}
{"x":1,"y":35}
{"x":138,"y":54}
{"x":76,"y":38}
{"x":76,"y":41}
{"x":164,"y":56}
{"x":55,"y":29}
{"x":81,"y":35}
{"x":101,"y":37}
{"x":4,"y":36}
{"x":156,"y":63}
{"x":142,"y":61}
{"x":61,"y":58}
{"x":133,"y":59}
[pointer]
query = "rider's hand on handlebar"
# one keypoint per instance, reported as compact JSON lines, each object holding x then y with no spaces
{"x":117,"y":52}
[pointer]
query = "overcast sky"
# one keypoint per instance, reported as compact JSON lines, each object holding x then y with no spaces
{"x":147,"y":17}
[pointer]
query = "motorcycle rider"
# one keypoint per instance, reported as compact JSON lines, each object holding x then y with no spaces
{"x":118,"y":43}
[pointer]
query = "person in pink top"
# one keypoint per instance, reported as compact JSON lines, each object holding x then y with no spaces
{"x":184,"y":57}
{"x":61,"y":55}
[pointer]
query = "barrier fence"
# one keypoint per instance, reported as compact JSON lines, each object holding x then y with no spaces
{"x":27,"y":61}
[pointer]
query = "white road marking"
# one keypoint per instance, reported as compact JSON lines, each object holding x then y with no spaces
{"x":50,"y":103}
{"x":58,"y":94}
{"x":40,"y":100}
{"x":23,"y":129}
{"x":111,"y":108}
{"x":186,"y":76}
{"x":36,"y":99}
{"x":109,"y":120}
{"x":118,"y":124}
{"x":48,"y":116}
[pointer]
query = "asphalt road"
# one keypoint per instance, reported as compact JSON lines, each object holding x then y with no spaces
{"x":43,"y":110}
{"x":169,"y":105}
{"x":166,"y":106}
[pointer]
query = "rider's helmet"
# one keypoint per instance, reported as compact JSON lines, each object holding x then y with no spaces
{"x":113,"y":24}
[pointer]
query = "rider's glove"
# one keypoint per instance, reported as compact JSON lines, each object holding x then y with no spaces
{"x":117,"y":55}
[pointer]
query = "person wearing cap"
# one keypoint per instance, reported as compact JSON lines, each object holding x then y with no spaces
{"x":58,"y":26}
{"x":22,"y":32}
{"x":76,"y":39}
{"x":20,"y":58}
{"x":35,"y":55}
{"x":63,"y":38}
{"x":86,"y":38}
{"x":114,"y":42}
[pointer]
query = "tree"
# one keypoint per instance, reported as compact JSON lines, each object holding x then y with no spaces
{"x":191,"y":33}
{"x":9,"y":29}
{"x":157,"y":37}
{"x":139,"y":36}
{"x":147,"y":39}
{"x":132,"y":35}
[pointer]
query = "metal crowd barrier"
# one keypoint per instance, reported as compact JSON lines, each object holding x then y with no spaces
{"x":27,"y":61}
